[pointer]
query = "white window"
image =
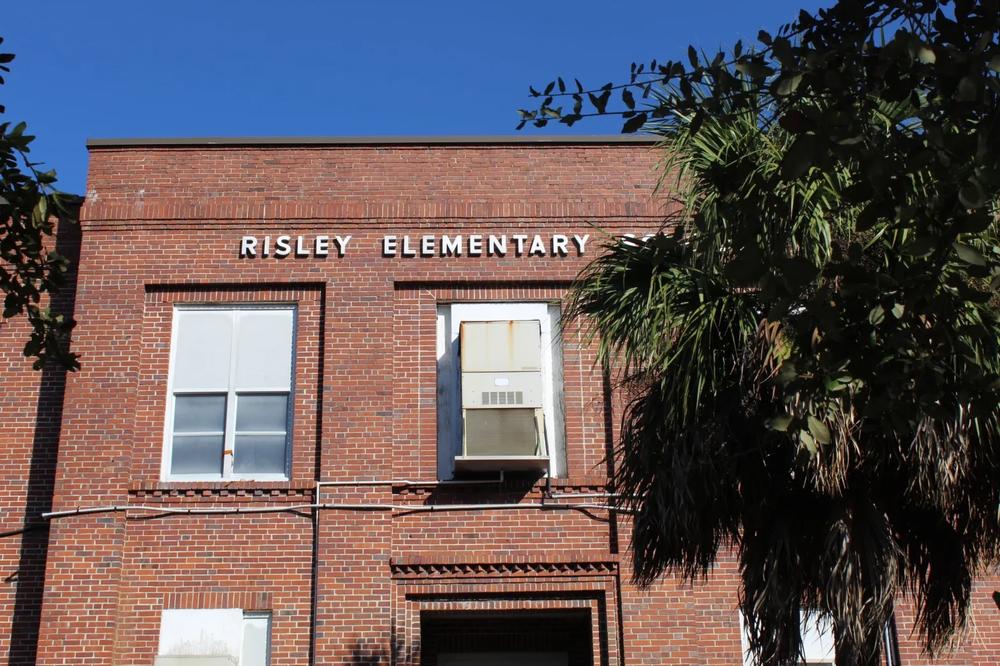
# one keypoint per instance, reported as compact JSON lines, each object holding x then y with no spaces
{"x":818,"y":647}
{"x":541,"y":321}
{"x":230,"y":403}
{"x":214,"y":637}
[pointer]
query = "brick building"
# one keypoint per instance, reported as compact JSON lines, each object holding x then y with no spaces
{"x":281,"y":445}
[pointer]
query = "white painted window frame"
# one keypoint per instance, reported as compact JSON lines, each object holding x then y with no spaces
{"x":231,"y":394}
{"x":201,"y":617}
{"x":259,"y":615}
{"x":449,"y":396}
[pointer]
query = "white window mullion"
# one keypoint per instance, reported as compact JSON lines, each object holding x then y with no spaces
{"x":230,"y":439}
{"x":227,"y":459}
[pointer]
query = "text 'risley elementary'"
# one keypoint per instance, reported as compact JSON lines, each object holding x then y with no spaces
{"x":430,"y":245}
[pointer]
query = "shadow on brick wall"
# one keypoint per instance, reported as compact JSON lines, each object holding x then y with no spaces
{"x":30,"y":574}
{"x":367,"y":655}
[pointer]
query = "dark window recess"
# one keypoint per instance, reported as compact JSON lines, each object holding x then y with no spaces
{"x":508,"y":633}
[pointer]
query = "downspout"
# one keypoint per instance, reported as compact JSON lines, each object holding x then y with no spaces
{"x":314,"y":583}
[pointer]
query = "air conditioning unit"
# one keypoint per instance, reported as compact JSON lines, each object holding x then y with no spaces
{"x":502,"y":417}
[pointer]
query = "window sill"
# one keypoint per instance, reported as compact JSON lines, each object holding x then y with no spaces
{"x":232,"y":488}
{"x":486,"y":463}
{"x":215,"y":480}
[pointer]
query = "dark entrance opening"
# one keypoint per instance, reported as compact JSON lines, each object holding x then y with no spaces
{"x":507,"y":638}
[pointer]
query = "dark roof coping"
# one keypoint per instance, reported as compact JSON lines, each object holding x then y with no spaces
{"x":225,"y":141}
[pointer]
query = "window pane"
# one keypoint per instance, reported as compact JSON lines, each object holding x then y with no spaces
{"x":817,"y":638}
{"x":200,"y":413}
{"x":194,"y":632}
{"x":196,"y":454}
{"x":255,"y":638}
{"x":264,"y":349}
{"x":202,"y":348}
{"x":262,"y":412}
{"x":259,"y":453}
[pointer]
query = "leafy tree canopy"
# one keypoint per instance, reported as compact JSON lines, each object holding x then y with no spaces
{"x":30,"y":267}
{"x":811,"y":347}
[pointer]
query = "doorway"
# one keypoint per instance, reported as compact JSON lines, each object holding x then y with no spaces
{"x":507,"y":638}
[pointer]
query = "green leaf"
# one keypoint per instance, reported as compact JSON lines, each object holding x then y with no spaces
{"x":995,"y":63}
{"x":926,"y":56}
{"x":41,"y":210}
{"x":808,"y":441}
{"x":788,"y":373}
{"x":974,"y":223}
{"x":897,"y":310}
{"x":969,"y":254}
{"x":686,"y":89}
{"x":12,"y":305}
{"x":818,"y":430}
{"x":787,"y":84}
{"x":754,"y":69}
{"x":876,"y":315}
{"x":837,"y":384}
{"x":971,"y":195}
{"x":697,"y":122}
{"x":968,"y":89}
{"x":600,"y":102}
{"x":628,"y":98}
{"x":634,"y":123}
{"x":780,"y":423}
{"x":800,"y":156}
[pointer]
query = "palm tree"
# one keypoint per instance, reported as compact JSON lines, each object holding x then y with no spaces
{"x":805,"y":386}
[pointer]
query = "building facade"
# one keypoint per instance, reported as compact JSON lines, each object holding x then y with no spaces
{"x":328,"y":414}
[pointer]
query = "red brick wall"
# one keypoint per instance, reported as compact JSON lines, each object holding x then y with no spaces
{"x":263,"y":562}
{"x":31,"y":404}
{"x":150,"y":400}
{"x":161,"y":226}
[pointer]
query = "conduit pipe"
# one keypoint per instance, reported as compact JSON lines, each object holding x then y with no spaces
{"x":573,"y":495}
{"x":409,"y":482}
{"x":402,"y":508}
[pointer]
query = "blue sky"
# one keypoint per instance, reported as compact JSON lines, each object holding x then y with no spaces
{"x":111,"y":68}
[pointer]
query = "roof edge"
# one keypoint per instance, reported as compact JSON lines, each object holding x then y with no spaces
{"x":209,"y":142}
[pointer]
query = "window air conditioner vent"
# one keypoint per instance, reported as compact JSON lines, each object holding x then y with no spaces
{"x":503,"y":397}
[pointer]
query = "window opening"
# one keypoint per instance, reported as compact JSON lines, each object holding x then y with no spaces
{"x":229,"y":409}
